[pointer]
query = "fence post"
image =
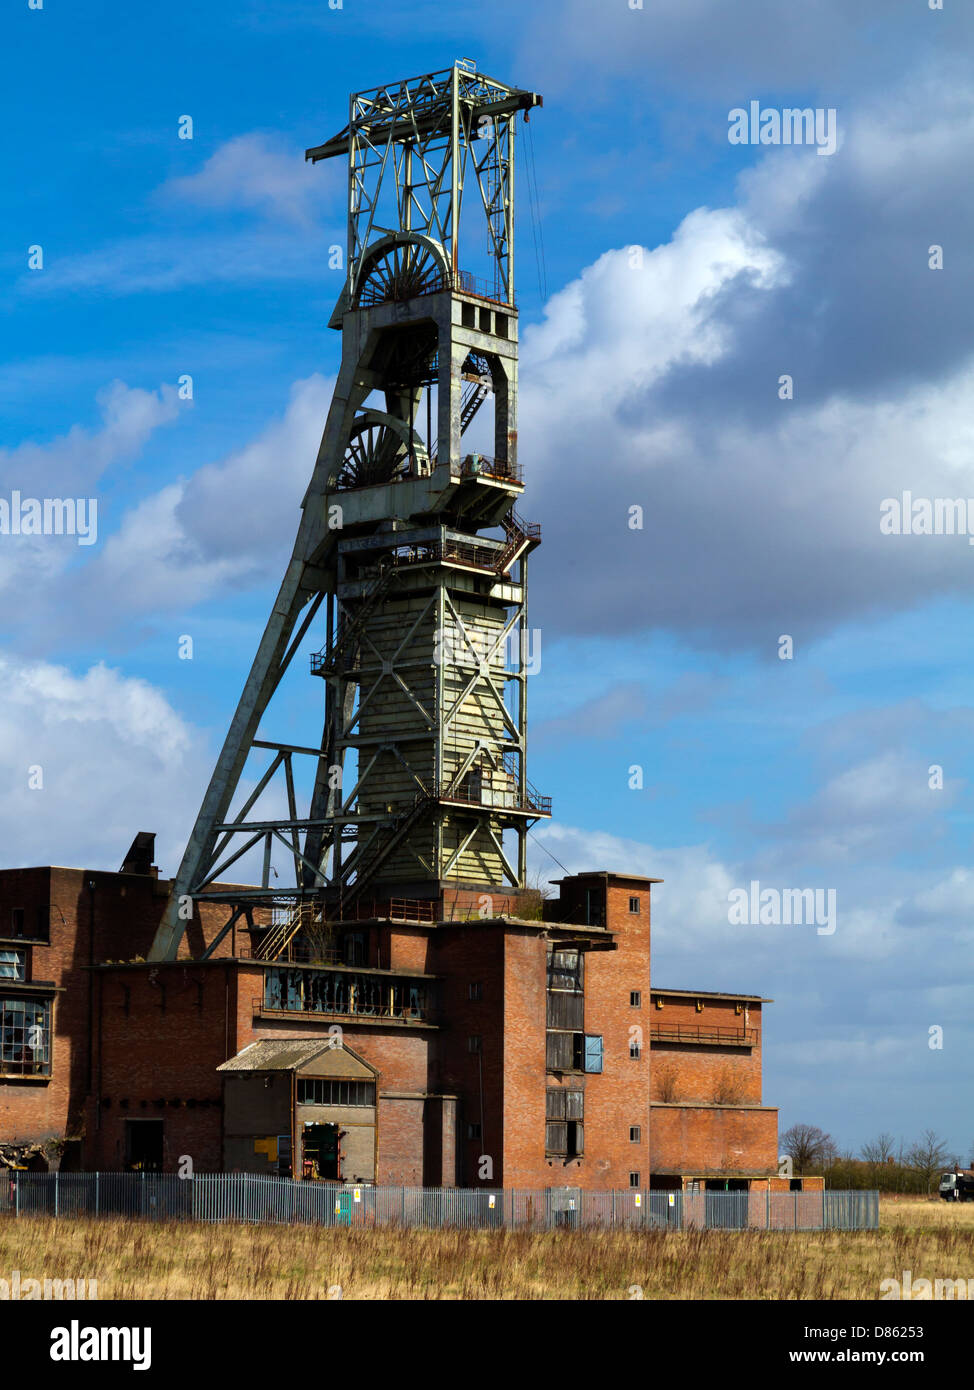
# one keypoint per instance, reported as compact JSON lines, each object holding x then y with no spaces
{"x":767,"y":1207}
{"x":55,"y":1193}
{"x":17,"y":1193}
{"x":97,"y":1207}
{"x":795,"y":1219}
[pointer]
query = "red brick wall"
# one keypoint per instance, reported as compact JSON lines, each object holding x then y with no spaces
{"x":525,"y":997}
{"x":705,"y":1072}
{"x":619,"y":1098}
{"x":406,"y":948}
{"x":464,"y":956}
{"x":162,"y":1032}
{"x":713,"y":1139}
{"x":32,"y":1111}
{"x":401,"y":1132}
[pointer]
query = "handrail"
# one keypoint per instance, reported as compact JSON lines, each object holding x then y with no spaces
{"x":724,"y":1037}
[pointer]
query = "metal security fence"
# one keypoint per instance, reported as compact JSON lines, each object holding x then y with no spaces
{"x":244,"y":1197}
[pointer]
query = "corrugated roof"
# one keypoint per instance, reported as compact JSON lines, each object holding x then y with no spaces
{"x":267,"y":1055}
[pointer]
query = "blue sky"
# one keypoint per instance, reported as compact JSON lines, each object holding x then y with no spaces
{"x":653,"y":384}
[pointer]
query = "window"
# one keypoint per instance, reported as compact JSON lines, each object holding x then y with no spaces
{"x":633,"y":904}
{"x":17,"y":921}
{"x":13,"y":965}
{"x":284,"y":1155}
{"x":473,"y":1042}
{"x":25,"y":1037}
{"x":564,"y":1129}
{"x":473,"y":1130}
{"x":635,"y":999}
{"x":574,"y":1052}
{"x":316,"y":1090}
{"x":565,"y":971}
{"x":355,"y":948}
{"x":594,"y":913}
{"x":635,"y":1134}
{"x":475,"y":991}
{"x":635,"y":1051}
{"x":565,"y":1010}
{"x":467,"y":316}
{"x":343,"y":993}
{"x":634,"y":1180}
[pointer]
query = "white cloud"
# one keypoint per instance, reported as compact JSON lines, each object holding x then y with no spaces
{"x":659,"y":386}
{"x":257,"y":172}
{"x":115,"y":757}
{"x":231,"y":523}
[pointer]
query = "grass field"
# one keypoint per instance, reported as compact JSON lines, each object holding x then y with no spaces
{"x":143,"y":1260}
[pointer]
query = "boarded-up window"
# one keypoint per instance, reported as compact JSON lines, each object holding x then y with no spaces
{"x":566,"y":1010}
{"x":574,"y":1105}
{"x":563,"y":1104}
{"x":564,"y":1131}
{"x":555,"y":1137}
{"x":560,"y":1051}
{"x":565,"y":970}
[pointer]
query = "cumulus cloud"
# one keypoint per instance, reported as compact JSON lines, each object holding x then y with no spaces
{"x":74,"y":466}
{"x":257,"y":172}
{"x":114,"y":757}
{"x":177,"y":547}
{"x":653,"y":381}
{"x":710,"y":47}
{"x":852,"y":1012}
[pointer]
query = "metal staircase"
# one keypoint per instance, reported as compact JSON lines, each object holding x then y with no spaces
{"x":376,"y":853}
{"x":327,"y":661}
{"x":522,"y":536}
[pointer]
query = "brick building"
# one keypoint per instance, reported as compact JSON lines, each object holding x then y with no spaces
{"x":443,"y":1041}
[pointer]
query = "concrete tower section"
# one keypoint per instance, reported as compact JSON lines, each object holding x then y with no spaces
{"x":409,"y":548}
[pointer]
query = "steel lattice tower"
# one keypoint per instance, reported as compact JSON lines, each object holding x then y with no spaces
{"x":410,"y":546}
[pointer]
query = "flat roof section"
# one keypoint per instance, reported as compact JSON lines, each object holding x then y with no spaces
{"x":708,"y":994}
{"x":604,"y":873}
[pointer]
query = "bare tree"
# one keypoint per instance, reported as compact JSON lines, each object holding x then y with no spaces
{"x":927,"y":1157}
{"x":808,"y":1147}
{"x":880,"y":1150}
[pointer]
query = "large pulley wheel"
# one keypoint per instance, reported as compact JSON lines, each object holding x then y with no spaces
{"x":376,"y":453}
{"x":402,"y":272}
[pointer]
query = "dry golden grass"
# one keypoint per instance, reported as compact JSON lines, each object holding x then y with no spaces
{"x":143,"y":1260}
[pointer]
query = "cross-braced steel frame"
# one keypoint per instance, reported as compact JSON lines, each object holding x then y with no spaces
{"x":425,"y":627}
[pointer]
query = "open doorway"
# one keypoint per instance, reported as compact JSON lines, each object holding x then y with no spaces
{"x":143,"y":1145}
{"x":322,"y":1151}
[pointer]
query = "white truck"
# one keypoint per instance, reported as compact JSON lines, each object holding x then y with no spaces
{"x":957,"y":1185}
